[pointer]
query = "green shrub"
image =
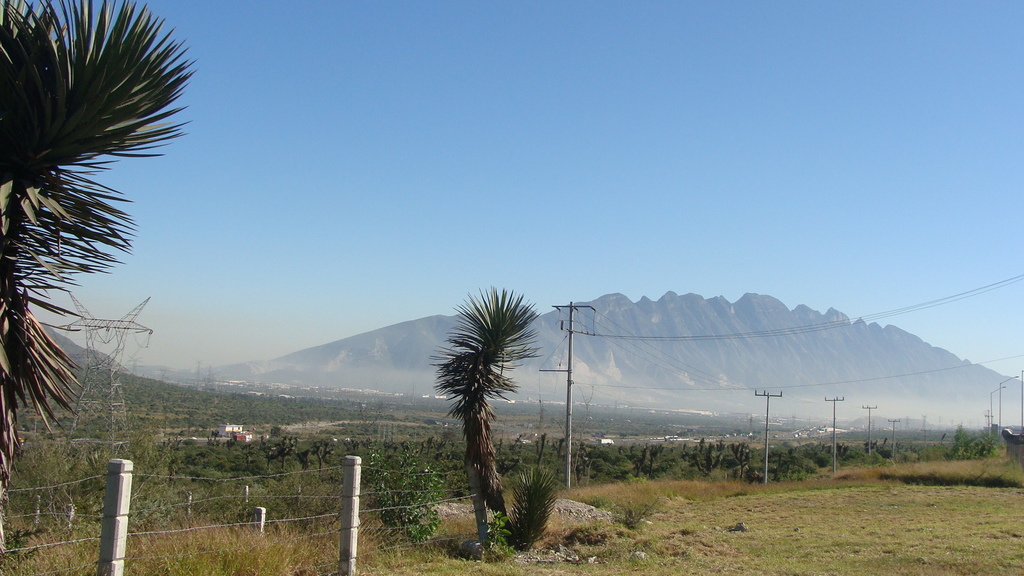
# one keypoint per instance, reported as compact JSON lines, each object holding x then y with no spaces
{"x":634,"y":512}
{"x":533,"y":501}
{"x":967,"y":446}
{"x":498,"y":535}
{"x":403,"y":490}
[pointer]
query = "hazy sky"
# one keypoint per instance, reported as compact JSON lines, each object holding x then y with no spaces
{"x":351,"y":165}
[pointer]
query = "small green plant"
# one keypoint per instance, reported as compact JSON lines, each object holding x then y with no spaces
{"x":498,"y":536}
{"x":633,"y":513}
{"x":533,"y":501}
{"x":16,"y":539}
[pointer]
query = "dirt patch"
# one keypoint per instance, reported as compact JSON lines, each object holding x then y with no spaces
{"x":573,"y":511}
{"x":567,"y":510}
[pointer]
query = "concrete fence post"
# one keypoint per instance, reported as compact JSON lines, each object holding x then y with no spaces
{"x":349,"y":516}
{"x":259,"y":518}
{"x":114,"y":526}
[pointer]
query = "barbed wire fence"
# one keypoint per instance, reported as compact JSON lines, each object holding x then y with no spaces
{"x":310,"y":513}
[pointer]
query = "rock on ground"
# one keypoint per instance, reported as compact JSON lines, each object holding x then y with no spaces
{"x":568,"y":510}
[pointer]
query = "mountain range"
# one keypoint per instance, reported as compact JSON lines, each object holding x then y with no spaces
{"x":680,"y":352}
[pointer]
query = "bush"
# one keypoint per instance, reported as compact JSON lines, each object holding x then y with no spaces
{"x":634,"y":512}
{"x":403,"y":490}
{"x":533,"y":501}
{"x":967,"y":446}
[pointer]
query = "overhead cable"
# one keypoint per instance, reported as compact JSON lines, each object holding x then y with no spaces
{"x":822,"y":325}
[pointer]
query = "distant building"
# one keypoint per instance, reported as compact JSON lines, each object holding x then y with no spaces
{"x":234,"y":432}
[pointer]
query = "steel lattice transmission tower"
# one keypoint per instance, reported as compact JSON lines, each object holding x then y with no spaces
{"x":100,"y":370}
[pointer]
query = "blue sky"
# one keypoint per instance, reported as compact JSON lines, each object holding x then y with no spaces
{"x":351,"y":165}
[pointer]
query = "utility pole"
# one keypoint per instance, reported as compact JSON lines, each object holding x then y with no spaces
{"x":893,"y":422}
{"x":767,"y":403}
{"x":995,"y":425}
{"x":869,"y":409}
{"x":833,"y":401}
{"x":568,"y":389}
{"x":991,"y":412}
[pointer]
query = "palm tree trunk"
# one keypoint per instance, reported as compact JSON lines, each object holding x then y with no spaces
{"x":481,"y":458}
{"x":479,"y":506}
{"x":3,"y":539}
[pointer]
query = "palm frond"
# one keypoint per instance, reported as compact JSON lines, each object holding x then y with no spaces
{"x":90,"y":83}
{"x":81,"y":87}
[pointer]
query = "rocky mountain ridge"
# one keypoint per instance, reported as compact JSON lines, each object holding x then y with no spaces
{"x":676,"y":352}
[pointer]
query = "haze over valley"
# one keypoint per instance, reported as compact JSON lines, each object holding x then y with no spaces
{"x":677,"y":352}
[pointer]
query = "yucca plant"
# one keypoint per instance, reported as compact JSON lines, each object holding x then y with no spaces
{"x":494,"y":334}
{"x":534,"y":495}
{"x":79,"y":88}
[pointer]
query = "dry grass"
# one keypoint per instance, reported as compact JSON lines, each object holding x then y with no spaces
{"x":214,"y":552}
{"x":900,"y":520}
{"x":995,"y":473}
{"x":845,"y":530}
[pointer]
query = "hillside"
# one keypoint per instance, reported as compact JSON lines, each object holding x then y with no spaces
{"x":678,"y":351}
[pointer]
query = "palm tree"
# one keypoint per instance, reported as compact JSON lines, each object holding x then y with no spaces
{"x":79,"y":88}
{"x":493,"y":333}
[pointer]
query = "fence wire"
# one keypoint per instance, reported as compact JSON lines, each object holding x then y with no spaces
{"x":61,"y":485}
{"x":238,"y":478}
{"x":49,"y":545}
{"x":408,"y":545}
{"x":62,"y":570}
{"x":246,"y":547}
{"x":154,"y":491}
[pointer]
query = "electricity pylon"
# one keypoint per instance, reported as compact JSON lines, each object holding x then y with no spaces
{"x":100,"y":370}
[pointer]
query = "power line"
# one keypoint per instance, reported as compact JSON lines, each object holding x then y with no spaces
{"x":678,"y":364}
{"x":823,"y":325}
{"x":693,"y":373}
{"x":815,"y":384}
{"x":101,"y":373}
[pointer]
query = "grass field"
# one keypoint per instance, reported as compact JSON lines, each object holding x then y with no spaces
{"x":936,"y":518}
{"x":854,"y":525}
